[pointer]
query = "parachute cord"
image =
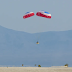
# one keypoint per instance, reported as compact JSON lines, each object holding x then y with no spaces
{"x":39,"y":37}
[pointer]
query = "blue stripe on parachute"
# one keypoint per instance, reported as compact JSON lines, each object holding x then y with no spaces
{"x":27,"y":12}
{"x":47,"y":12}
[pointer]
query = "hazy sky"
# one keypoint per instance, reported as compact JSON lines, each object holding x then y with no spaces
{"x":12,"y":11}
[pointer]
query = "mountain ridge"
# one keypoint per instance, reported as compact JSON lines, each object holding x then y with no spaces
{"x":18,"y":47}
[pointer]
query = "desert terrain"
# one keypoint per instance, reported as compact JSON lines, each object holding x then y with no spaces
{"x":35,"y":69}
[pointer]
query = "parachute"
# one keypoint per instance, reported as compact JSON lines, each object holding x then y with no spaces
{"x":28,"y":14}
{"x":40,"y":14}
{"x":44,"y":14}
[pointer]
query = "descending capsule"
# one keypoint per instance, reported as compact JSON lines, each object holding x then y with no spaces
{"x":37,"y":42}
{"x":28,"y":14}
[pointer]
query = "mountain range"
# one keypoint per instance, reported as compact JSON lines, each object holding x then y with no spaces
{"x":17,"y":47}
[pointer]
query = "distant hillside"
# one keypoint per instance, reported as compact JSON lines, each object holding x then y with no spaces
{"x":18,"y":47}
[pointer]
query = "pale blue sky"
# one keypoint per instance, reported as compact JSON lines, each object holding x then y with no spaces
{"x":12,"y":11}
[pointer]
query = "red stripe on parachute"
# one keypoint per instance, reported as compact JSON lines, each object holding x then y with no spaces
{"x":42,"y":15}
{"x":28,"y":15}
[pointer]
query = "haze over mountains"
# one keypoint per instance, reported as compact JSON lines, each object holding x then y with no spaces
{"x":18,"y":48}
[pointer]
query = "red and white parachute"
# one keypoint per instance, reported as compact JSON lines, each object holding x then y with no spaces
{"x":28,"y":14}
{"x":39,"y":13}
{"x":44,"y":14}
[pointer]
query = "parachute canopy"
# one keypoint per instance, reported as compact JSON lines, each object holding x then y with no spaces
{"x":43,"y":14}
{"x":28,"y":14}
